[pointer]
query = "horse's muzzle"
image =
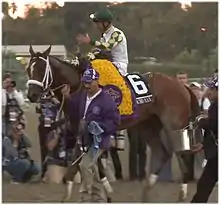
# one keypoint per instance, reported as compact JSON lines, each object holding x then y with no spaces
{"x":34,"y":93}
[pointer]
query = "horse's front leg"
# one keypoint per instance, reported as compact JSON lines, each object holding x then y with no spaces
{"x":72,"y":170}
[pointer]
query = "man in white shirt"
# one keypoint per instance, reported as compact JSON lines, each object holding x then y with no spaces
{"x":9,"y":87}
{"x":182,"y":77}
{"x":204,"y":103}
{"x":112,"y":39}
{"x":9,"y":93}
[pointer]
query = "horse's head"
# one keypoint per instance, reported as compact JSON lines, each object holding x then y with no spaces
{"x":47,"y":73}
{"x":38,"y":72}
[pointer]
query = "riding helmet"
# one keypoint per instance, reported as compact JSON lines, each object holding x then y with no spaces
{"x":102,"y":16}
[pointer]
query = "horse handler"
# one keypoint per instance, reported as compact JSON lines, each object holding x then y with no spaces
{"x":209,"y":176}
{"x":100,"y":117}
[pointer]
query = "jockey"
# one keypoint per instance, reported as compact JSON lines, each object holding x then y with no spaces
{"x":112,"y":39}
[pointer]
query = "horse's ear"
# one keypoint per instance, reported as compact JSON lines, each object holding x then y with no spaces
{"x":78,"y":55}
{"x":31,"y":50}
{"x":47,"y":52}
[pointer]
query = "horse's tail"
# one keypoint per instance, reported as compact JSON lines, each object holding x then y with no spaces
{"x":195,"y":109}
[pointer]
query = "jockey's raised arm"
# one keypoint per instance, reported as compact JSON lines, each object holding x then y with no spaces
{"x":112,"y":39}
{"x":115,"y":39}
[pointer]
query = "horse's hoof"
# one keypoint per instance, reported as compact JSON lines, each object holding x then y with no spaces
{"x":144,"y":197}
{"x":65,"y":199}
{"x":181,"y":200}
{"x":182,"y":197}
{"x":109,"y":200}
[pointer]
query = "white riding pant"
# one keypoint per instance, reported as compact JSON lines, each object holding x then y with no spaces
{"x":122,"y":67}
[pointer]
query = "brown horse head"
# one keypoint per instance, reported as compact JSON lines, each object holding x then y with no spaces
{"x":47,"y":73}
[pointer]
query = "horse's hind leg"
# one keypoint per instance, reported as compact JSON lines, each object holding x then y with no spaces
{"x":160,"y":154}
{"x":183,"y":160}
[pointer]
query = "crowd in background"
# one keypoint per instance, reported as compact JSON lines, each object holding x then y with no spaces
{"x":16,"y":158}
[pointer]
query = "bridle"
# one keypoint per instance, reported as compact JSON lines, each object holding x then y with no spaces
{"x":47,"y":81}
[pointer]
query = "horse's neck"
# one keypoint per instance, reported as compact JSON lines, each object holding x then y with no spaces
{"x":66,"y":72}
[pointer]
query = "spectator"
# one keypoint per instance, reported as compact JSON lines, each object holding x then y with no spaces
{"x":182,"y":77}
{"x":9,"y":87}
{"x":12,"y":102}
{"x":215,"y":73}
{"x":206,"y":90}
{"x":204,"y":102}
{"x":56,"y":140}
{"x":56,"y":156}
{"x":16,"y":158}
{"x":48,"y":110}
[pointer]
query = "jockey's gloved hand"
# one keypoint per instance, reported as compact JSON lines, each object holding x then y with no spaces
{"x":96,"y":51}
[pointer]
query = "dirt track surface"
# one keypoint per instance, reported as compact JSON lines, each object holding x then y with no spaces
{"x":124,"y":191}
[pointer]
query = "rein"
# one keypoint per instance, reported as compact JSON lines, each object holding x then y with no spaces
{"x":63,"y":98}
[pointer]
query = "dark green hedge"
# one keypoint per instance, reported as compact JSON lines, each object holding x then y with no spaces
{"x":193,"y":71}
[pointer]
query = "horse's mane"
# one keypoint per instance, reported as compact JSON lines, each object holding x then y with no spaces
{"x":39,"y":54}
{"x":62,"y":61}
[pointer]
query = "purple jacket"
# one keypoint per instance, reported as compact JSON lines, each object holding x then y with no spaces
{"x":102,"y":110}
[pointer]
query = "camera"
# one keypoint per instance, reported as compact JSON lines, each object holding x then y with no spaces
{"x":13,"y":83}
{"x":23,"y":154}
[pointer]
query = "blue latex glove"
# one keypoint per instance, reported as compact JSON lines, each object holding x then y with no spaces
{"x":95,"y":129}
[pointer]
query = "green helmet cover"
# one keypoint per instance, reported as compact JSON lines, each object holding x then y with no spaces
{"x":102,"y":16}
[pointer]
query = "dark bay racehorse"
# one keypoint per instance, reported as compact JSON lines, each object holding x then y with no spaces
{"x":170,"y":112}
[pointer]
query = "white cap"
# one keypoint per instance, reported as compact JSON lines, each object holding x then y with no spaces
{"x":196,"y":85}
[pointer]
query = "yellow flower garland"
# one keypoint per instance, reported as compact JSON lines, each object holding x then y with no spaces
{"x":110,"y":76}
